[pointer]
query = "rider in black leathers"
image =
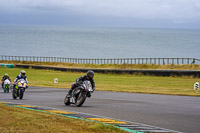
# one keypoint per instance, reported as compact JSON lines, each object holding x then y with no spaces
{"x":89,"y":76}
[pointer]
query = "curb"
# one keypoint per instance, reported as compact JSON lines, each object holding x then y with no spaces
{"x":126,"y":126}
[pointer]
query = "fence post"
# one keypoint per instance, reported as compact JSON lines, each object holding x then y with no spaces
{"x":163,"y":61}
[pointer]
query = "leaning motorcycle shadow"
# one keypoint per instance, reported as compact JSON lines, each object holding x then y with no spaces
{"x":5,"y":92}
{"x":18,"y":99}
{"x":74,"y":106}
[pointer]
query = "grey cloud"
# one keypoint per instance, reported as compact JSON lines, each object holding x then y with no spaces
{"x":130,"y":8}
{"x":177,"y":11}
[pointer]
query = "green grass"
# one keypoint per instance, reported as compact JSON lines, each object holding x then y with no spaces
{"x":112,"y":82}
{"x":17,"y":120}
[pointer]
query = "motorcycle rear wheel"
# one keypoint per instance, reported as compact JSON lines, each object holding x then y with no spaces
{"x":67,"y":100}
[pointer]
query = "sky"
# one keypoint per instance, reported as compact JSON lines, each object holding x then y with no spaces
{"x":117,"y":13}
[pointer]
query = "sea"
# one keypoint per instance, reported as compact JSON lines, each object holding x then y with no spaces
{"x":98,"y":42}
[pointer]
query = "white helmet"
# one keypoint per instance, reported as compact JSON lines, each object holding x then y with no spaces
{"x":23,"y":72}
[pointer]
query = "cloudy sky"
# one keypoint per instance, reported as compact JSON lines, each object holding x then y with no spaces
{"x":121,"y":13}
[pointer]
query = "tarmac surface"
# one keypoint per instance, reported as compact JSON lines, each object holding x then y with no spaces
{"x":178,"y":113}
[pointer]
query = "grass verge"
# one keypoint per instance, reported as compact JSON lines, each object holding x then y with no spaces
{"x":17,"y":120}
{"x":112,"y":82}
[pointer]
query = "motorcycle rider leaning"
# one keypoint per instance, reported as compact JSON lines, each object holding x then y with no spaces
{"x":22,"y":75}
{"x":89,"y":76}
{"x":4,"y":78}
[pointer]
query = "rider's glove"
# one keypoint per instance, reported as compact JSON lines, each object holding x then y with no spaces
{"x":79,"y":83}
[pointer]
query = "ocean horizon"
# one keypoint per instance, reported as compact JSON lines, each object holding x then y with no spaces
{"x":98,"y":42}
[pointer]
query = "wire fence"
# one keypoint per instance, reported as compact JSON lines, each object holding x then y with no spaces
{"x":160,"y":61}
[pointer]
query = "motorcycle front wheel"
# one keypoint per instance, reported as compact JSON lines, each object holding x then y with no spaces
{"x":14,"y":93}
{"x":7,"y":88}
{"x":21,"y":93}
{"x":80,"y":99}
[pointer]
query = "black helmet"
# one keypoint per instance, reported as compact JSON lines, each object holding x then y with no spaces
{"x":90,"y":74}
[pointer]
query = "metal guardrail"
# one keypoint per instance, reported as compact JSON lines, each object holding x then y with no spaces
{"x":160,"y":61}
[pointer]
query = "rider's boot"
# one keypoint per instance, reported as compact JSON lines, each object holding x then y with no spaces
{"x":69,"y":93}
{"x":73,"y":86}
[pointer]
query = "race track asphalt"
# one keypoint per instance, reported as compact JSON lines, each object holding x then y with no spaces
{"x":179,"y":113}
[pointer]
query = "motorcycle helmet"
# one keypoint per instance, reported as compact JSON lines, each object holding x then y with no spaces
{"x":23,"y":72}
{"x":5,"y":74}
{"x":90,"y":74}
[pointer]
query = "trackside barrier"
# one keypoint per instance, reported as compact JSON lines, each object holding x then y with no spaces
{"x":194,"y":73}
{"x":7,"y":65}
{"x":160,"y":61}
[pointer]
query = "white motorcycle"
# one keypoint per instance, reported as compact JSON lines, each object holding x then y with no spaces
{"x":6,"y":86}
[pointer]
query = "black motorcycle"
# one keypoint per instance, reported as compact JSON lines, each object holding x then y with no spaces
{"x":79,"y":94}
